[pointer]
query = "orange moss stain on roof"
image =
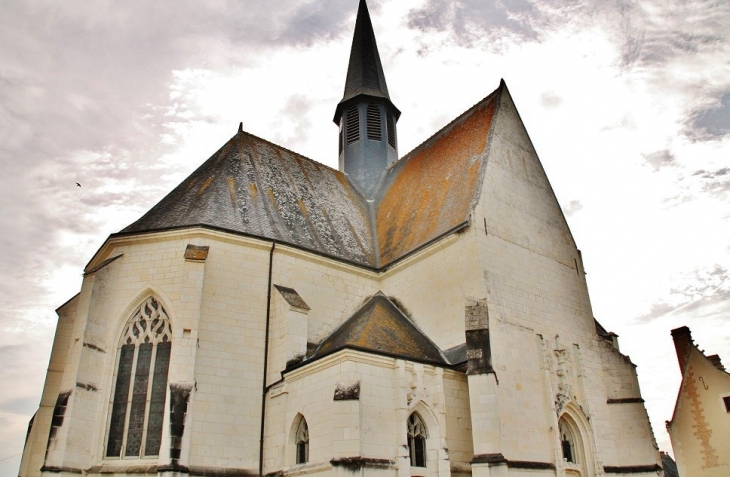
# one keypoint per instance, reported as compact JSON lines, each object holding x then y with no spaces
{"x":434,"y":186}
{"x":205,"y":185}
{"x":232,"y":190}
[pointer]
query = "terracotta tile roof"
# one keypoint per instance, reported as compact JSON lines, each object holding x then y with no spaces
{"x":256,"y":188}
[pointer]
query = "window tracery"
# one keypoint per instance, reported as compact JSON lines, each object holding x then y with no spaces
{"x":138,"y":400}
{"x":417,"y":435}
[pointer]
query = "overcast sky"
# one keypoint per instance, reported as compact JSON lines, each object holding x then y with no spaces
{"x":627,"y":103}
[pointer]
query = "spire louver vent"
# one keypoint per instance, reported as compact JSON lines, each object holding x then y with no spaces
{"x":391,"y":130}
{"x":353,"y":124}
{"x":373,"y":122}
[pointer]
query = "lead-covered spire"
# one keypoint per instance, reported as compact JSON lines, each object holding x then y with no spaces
{"x":365,"y":72}
{"x":366,"y":115}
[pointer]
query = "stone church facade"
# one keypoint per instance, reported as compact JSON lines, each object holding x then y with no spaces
{"x":423,"y":316}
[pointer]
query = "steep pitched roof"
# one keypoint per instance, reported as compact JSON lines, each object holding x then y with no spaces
{"x":431,"y":190}
{"x":380,"y":327}
{"x":365,"y":71}
{"x":256,"y":188}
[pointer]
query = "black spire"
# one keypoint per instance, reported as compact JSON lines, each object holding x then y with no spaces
{"x":365,"y":72}
{"x":366,"y":116}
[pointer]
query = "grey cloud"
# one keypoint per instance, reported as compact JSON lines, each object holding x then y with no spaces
{"x":716,"y":182}
{"x":705,"y":292}
{"x":660,"y":159}
{"x":647,"y":34}
{"x":83,"y":95}
{"x":550,"y":100}
{"x":665,"y":30}
{"x":712,"y":122}
{"x":485,"y":23}
{"x":572,"y":207}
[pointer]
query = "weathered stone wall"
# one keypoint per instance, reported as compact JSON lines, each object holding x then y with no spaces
{"x":545,"y":350}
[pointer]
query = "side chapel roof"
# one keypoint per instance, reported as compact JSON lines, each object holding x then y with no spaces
{"x":255,"y":188}
{"x":380,"y":327}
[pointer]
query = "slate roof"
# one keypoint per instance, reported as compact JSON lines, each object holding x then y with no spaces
{"x":669,"y":466}
{"x":365,"y":74}
{"x":255,"y":188}
{"x":380,"y":327}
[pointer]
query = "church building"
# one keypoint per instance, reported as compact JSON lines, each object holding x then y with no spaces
{"x":424,"y":315}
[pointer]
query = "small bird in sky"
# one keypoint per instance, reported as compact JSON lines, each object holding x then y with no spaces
{"x":78,"y":185}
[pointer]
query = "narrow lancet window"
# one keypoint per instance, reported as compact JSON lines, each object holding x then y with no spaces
{"x":567,"y":442}
{"x":417,"y":440}
{"x":138,"y":401}
{"x":302,"y":442}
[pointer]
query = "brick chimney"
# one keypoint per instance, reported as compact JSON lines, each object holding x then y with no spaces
{"x":682,"y":343}
{"x":715,"y":360}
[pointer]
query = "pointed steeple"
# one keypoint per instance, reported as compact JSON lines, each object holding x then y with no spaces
{"x":365,"y":72}
{"x":366,"y":115}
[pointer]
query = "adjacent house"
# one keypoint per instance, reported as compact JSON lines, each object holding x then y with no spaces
{"x":700,"y":426}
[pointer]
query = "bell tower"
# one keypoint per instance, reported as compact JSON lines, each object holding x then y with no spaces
{"x":368,"y":140}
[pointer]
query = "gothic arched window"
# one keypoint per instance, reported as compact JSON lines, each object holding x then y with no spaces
{"x":417,"y":440}
{"x":138,"y":401}
{"x":571,"y":445}
{"x":301,"y":439}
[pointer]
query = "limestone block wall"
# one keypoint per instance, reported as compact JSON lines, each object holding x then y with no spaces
{"x":545,"y":349}
{"x":333,"y":290}
{"x":372,"y":425}
{"x":34,"y":452}
{"x":225,"y":405}
{"x":433,"y":287}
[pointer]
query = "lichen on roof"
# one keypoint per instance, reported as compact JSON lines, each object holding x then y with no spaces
{"x":255,"y":188}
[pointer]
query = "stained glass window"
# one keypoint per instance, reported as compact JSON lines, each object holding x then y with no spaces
{"x":138,"y":401}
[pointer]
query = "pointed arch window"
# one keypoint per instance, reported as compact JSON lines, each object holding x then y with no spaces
{"x":417,"y":435}
{"x":572,"y":446}
{"x":568,"y":445}
{"x":138,"y":401}
{"x":301,"y":439}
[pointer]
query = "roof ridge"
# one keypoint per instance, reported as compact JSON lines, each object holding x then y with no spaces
{"x":444,"y":128}
{"x":278,"y":146}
